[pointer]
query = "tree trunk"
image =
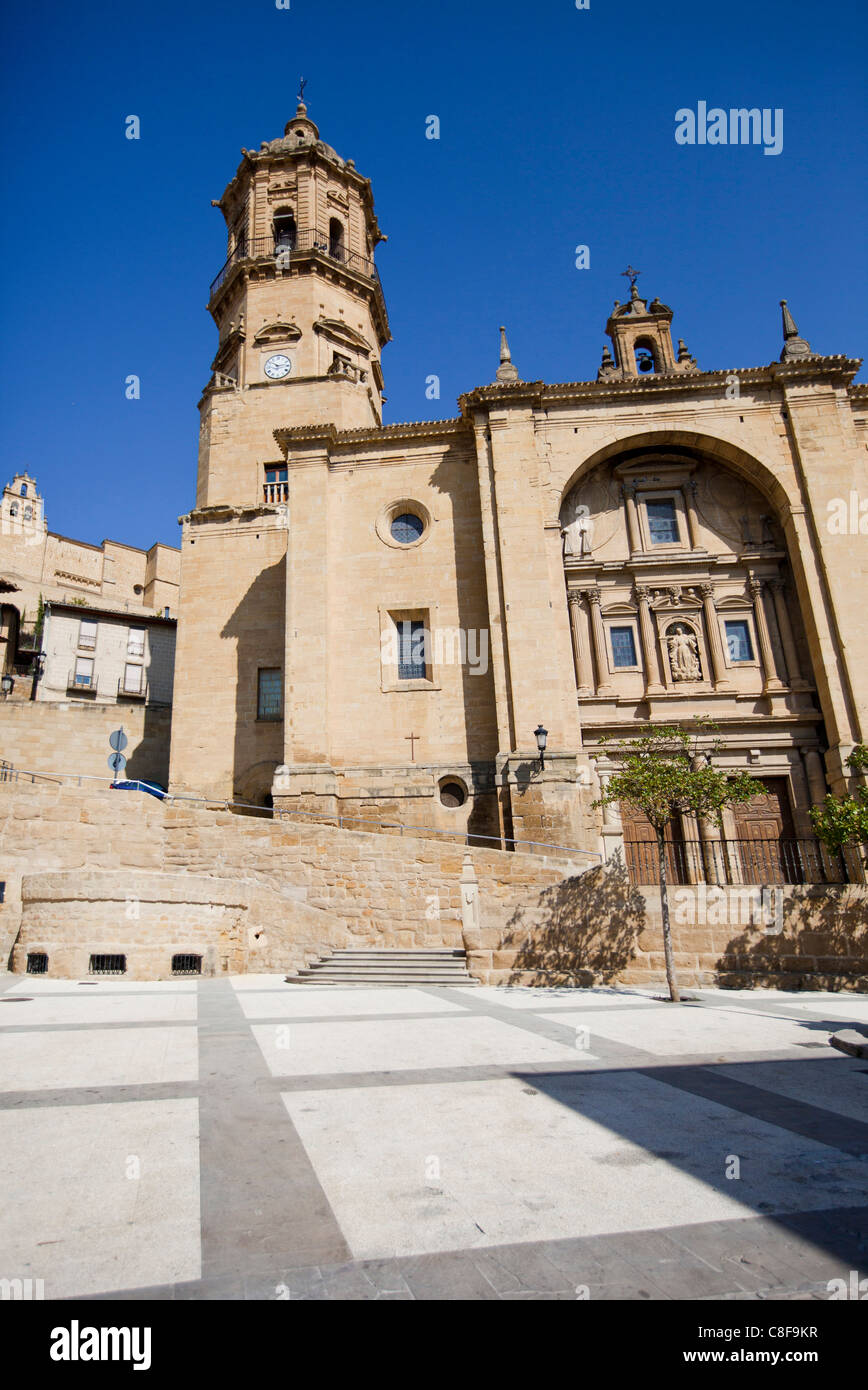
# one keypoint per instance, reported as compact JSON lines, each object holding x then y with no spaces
{"x":674,"y":994}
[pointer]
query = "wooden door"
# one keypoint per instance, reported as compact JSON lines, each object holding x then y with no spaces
{"x":640,"y":848}
{"x":765,"y":832}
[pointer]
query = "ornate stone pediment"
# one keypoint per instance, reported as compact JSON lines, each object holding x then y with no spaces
{"x":278,"y":333}
{"x":340,"y":332}
{"x":676,"y":597}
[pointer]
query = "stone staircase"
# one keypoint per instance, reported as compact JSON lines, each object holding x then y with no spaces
{"x":380,"y":967}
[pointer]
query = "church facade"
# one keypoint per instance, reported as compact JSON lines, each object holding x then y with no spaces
{"x":376,"y":620}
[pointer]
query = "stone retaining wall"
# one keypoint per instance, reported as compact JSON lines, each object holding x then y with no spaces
{"x":259,"y":894}
{"x":601,"y":929}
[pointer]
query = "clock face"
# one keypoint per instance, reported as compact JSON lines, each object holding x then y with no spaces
{"x":278,"y":366}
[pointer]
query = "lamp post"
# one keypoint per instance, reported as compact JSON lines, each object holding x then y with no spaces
{"x":541,"y":734}
{"x":38,"y":668}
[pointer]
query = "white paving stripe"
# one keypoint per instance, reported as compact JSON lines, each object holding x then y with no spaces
{"x":108,"y":984}
{"x":95,"y":1009}
{"x":75,"y":1214}
{"x":89,"y":1057}
{"x":549,"y":999}
{"x":418,"y":1169}
{"x":689,"y":1029}
{"x":318,"y":1001}
{"x":303,"y":1049}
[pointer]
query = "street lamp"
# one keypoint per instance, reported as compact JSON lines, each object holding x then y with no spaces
{"x":38,"y":668}
{"x":541,"y":734}
{"x":8,"y":685}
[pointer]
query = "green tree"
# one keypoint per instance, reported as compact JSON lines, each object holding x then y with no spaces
{"x":843,"y":820}
{"x":664,"y":771}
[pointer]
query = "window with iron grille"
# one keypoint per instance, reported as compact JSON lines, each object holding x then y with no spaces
{"x":108,"y":965}
{"x":186,"y":965}
{"x":84,"y":671}
{"x":411,"y":649}
{"x":407,"y":528}
{"x":270,"y":695}
{"x":37,"y":963}
{"x":662,"y":522}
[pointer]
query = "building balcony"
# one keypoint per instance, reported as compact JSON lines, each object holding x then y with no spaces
{"x":129,"y":691}
{"x":275,"y":492}
{"x":78,"y":684}
{"x":286,"y":251}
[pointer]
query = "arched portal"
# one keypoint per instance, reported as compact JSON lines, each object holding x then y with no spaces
{"x":683,"y":602}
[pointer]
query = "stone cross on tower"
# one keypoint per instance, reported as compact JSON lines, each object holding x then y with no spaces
{"x":301,"y":86}
{"x":632,"y":275}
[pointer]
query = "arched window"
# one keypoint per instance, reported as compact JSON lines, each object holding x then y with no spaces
{"x":285,"y":233}
{"x":23,"y":489}
{"x":645,"y":356}
{"x":13,"y":510}
{"x":28,"y":513}
{"x":336,"y":239}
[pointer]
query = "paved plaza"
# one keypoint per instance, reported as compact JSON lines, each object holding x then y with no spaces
{"x":246,"y":1138}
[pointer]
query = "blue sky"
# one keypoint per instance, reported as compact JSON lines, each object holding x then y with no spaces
{"x":557,"y":129}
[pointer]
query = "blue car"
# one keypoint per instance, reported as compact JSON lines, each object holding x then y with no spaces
{"x":152,"y":788}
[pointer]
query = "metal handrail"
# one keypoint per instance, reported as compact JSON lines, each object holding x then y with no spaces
{"x":305,"y":240}
{"x":279,"y":812}
{"x":89,"y":685}
{"x":140,"y":694}
{"x":728,"y":862}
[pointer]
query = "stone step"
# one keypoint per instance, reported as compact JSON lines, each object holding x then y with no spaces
{"x":413,"y":972}
{"x":401,"y":952}
{"x":381,"y":982}
{"x":388,"y":966}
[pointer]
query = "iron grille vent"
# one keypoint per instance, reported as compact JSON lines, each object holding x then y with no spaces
{"x":108,"y":965}
{"x":37,"y":963}
{"x":186,"y":965}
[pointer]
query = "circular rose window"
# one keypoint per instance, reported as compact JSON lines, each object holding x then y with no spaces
{"x":407,"y":528}
{"x":404,"y":524}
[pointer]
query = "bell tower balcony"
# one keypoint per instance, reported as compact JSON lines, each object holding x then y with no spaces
{"x":283,"y":252}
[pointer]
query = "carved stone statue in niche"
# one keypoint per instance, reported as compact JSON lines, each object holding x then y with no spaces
{"x":577,"y":530}
{"x":683,"y":653}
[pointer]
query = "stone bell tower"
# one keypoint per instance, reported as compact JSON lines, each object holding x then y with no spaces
{"x":298,"y":307}
{"x":641,"y":335}
{"x":302,"y":322}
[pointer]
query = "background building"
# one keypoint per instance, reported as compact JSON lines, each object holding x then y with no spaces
{"x":41,"y":564}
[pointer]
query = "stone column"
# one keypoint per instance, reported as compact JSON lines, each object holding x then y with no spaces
{"x":612,"y":831}
{"x":785,"y":628}
{"x":816,"y":775}
{"x":581,"y":655}
{"x":767,"y":659}
{"x":692,"y":518}
{"x":632,"y":518}
{"x":653,"y":683}
{"x":604,"y":685}
{"x":715,"y":645}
